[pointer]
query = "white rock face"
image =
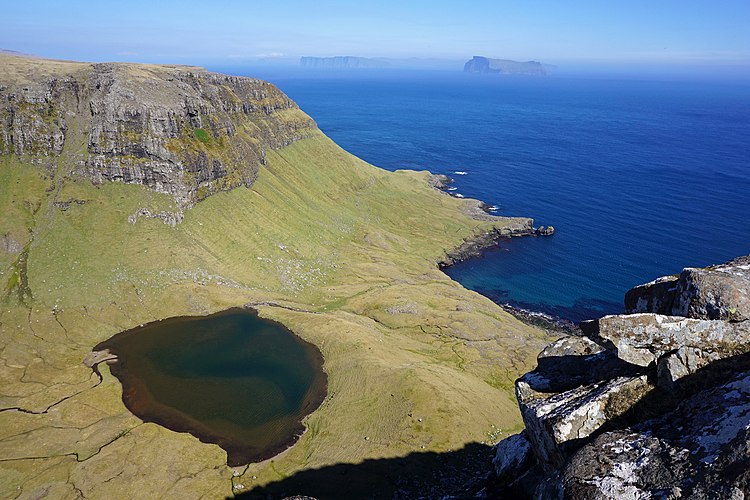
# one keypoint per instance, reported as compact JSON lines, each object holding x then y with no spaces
{"x":554,"y":420}
{"x":697,"y":450}
{"x":599,"y":429}
{"x":641,"y":339}
{"x":511,"y":456}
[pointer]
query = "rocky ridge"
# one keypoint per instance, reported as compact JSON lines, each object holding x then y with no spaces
{"x":643,"y":405}
{"x":179,"y":130}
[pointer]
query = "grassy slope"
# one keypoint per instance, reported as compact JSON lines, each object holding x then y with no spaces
{"x":352,"y":247}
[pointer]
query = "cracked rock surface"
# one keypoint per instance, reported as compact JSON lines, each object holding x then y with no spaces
{"x":178,"y":130}
{"x":646,"y":405}
{"x":716,"y":292}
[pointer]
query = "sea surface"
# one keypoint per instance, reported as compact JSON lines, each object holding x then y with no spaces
{"x":639,"y":178}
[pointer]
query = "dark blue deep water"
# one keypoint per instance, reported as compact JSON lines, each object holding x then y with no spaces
{"x":640,"y":178}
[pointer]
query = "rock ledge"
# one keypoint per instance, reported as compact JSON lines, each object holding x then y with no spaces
{"x":654,"y":404}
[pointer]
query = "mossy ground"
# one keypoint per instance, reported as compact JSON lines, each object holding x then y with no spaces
{"x":415,"y":361}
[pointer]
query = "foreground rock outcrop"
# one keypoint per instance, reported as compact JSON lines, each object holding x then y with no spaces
{"x":654,"y":404}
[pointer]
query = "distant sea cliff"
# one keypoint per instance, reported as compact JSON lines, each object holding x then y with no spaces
{"x":479,"y":64}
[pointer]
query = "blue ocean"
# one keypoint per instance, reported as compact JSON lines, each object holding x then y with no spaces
{"x":639,"y":178}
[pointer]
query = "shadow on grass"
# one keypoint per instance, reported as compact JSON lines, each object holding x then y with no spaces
{"x":417,"y":475}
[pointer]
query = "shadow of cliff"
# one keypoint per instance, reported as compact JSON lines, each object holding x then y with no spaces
{"x":417,"y":475}
{"x":462,"y":473}
{"x":562,"y":373}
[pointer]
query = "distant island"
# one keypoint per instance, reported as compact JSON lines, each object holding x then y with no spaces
{"x":342,"y":62}
{"x":479,"y":64}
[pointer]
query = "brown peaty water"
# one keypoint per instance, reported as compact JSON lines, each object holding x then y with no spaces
{"x":231,"y":378}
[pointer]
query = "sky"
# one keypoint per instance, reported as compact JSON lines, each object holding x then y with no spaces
{"x":633,"y":32}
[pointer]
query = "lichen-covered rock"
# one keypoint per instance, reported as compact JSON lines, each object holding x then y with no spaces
{"x":699,"y":450}
{"x":641,"y":339}
{"x":599,"y":428}
{"x":681,"y":363}
{"x":178,"y":130}
{"x":716,"y":292}
{"x":513,"y":457}
{"x":556,"y":423}
{"x":623,"y":464}
{"x":654,"y":297}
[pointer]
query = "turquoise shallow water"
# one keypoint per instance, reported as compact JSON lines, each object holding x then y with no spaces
{"x":640,"y":178}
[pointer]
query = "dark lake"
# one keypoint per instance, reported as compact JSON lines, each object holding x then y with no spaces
{"x":231,"y":378}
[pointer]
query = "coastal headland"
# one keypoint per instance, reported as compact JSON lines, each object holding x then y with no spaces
{"x":132,"y":193}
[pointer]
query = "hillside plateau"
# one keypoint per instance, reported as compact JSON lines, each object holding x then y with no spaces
{"x":132,"y":193}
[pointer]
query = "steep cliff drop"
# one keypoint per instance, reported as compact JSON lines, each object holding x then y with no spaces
{"x":178,"y":130}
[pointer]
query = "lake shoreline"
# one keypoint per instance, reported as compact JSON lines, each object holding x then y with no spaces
{"x":142,"y":403}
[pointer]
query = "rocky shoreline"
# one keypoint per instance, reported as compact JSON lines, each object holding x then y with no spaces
{"x":475,"y":245}
{"x":543,"y":320}
{"x":642,"y":405}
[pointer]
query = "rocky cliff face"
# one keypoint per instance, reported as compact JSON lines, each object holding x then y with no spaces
{"x":179,"y":130}
{"x":479,"y":64}
{"x":644,"y":405}
{"x":716,"y":292}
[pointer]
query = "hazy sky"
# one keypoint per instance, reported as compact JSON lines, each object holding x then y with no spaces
{"x":555,"y":31}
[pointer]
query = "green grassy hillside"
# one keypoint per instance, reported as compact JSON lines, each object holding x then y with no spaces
{"x":341,"y":252}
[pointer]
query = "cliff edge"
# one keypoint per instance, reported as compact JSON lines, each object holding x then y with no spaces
{"x":179,"y":130}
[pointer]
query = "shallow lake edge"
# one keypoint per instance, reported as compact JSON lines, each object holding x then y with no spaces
{"x":236,"y":455}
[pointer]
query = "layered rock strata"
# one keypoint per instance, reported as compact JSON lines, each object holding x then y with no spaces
{"x":645,"y":405}
{"x":179,"y":130}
